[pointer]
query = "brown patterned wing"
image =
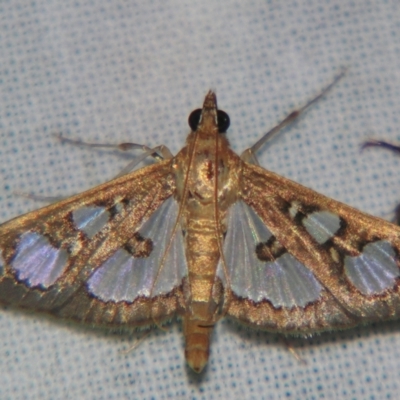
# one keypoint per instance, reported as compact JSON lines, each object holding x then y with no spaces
{"x":95,"y":257}
{"x":307,"y":263}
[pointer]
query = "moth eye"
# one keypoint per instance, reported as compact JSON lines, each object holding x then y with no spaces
{"x":194,"y":119}
{"x":223,"y":121}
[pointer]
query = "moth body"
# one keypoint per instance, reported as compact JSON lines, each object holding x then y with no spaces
{"x":207,"y":174}
{"x":202,"y":235}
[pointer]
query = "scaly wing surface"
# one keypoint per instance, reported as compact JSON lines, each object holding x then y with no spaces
{"x":300,"y":262}
{"x":96,"y":257}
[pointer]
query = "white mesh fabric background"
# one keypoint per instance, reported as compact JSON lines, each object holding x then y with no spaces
{"x":112,"y":71}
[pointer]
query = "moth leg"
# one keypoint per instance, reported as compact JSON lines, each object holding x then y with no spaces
{"x":380,"y":143}
{"x":249,"y":154}
{"x":159,"y":153}
{"x":163,"y":152}
{"x":138,"y":160}
{"x":293,"y":351}
{"x":46,"y":199}
{"x":137,"y":343}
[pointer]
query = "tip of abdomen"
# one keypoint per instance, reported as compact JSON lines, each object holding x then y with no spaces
{"x":197,"y":348}
{"x":196,"y":358}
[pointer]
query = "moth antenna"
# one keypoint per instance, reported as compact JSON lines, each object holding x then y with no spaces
{"x":249,"y":154}
{"x":218,"y":234}
{"x":174,"y":229}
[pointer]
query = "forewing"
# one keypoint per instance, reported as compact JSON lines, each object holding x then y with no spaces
{"x":98,"y":256}
{"x":307,"y":263}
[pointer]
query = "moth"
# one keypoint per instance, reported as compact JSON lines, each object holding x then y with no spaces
{"x":199,"y":236}
{"x":394,"y":149}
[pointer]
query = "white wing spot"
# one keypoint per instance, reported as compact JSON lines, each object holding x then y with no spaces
{"x":294,"y":209}
{"x":125,"y":278}
{"x":334,"y":254}
{"x":37,"y":262}
{"x":90,"y":220}
{"x":285,"y":282}
{"x":322,"y":225}
{"x":288,"y":283}
{"x":375,"y":270}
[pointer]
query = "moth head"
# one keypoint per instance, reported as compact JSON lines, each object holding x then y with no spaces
{"x":209,"y":117}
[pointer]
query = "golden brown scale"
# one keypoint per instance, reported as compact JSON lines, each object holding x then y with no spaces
{"x":207,"y":171}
